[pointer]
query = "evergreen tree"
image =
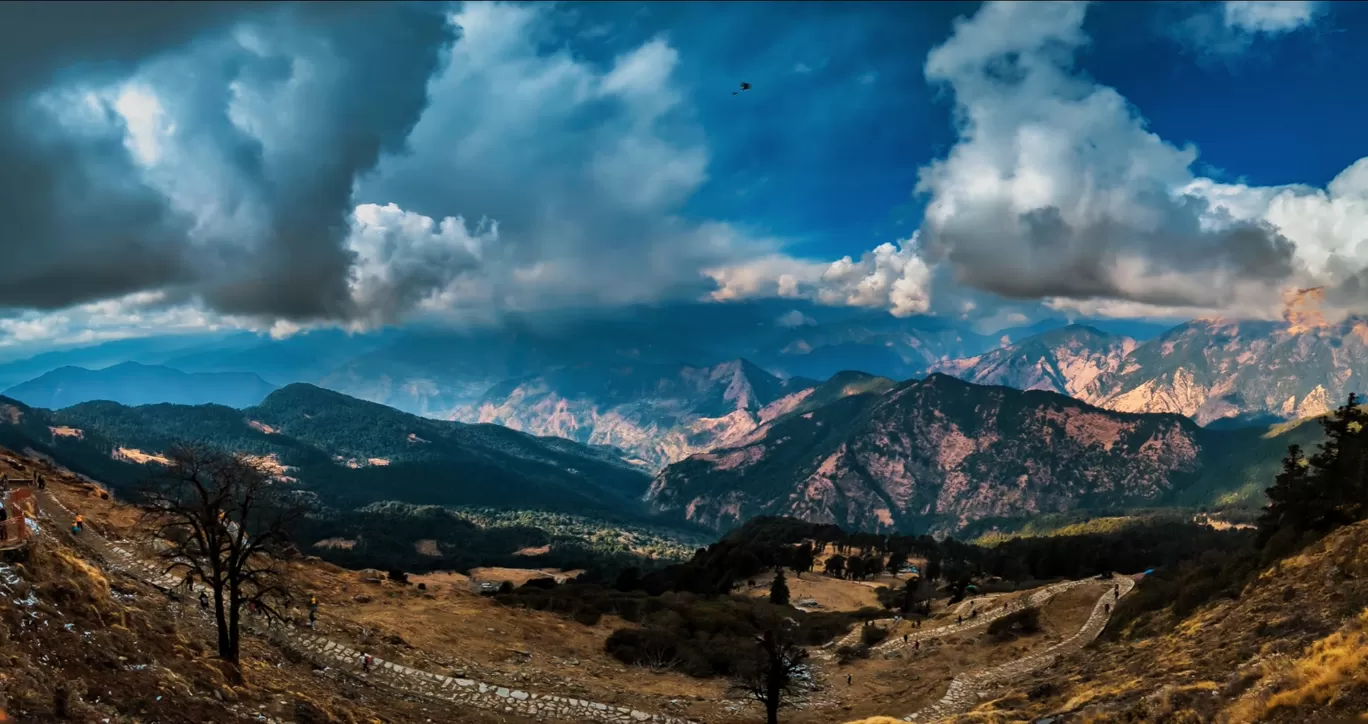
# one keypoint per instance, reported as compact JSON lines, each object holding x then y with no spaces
{"x":1328,"y":489}
{"x":779,"y":593}
{"x":835,"y":566}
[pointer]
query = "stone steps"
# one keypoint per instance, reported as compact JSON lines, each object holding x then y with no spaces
{"x":966,"y":690}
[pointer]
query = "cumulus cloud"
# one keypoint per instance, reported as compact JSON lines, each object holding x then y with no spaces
{"x":585,"y":168}
{"x":1058,"y":190}
{"x":1230,"y":28}
{"x":891,"y":276}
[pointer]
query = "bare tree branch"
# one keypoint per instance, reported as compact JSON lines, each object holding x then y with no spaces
{"x":220,"y":517}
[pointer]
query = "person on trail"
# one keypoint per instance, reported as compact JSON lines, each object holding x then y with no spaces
{"x":3,"y":517}
{"x":366,"y":663}
{"x":848,"y":680}
{"x":79,"y":523}
{"x":313,"y":604}
{"x":1106,"y":608}
{"x":959,"y":619}
{"x":189,"y":580}
{"x":40,"y":480}
{"x":313,"y":620}
{"x":904,"y":639}
{"x":204,"y":600}
{"x":916,"y":645}
{"x":973,"y":613}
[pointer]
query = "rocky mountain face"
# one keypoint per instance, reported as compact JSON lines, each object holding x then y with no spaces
{"x":940,"y":453}
{"x":1067,"y":361}
{"x":656,"y":413}
{"x":1212,"y":370}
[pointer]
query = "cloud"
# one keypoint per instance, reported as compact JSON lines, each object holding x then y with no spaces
{"x":891,"y":276}
{"x":139,"y":314}
{"x":585,"y":167}
{"x":1058,"y":190}
{"x":795,"y":318}
{"x":217,"y":162}
{"x":1222,"y":30}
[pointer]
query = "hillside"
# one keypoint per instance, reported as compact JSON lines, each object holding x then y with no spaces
{"x":1290,"y":648}
{"x":656,"y":413}
{"x":86,"y":641}
{"x":943,"y":453}
{"x":349,"y":452}
{"x":131,"y":383}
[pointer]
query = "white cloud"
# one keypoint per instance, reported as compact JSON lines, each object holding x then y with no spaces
{"x":1058,"y":190}
{"x":1269,"y":16}
{"x":1230,"y":28}
{"x":892,"y":277}
{"x":795,"y":318}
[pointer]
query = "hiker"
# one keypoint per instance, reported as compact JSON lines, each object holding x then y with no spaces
{"x":916,"y":645}
{"x":190,"y":581}
{"x":3,"y":517}
{"x":366,"y":663}
{"x":313,"y":604}
{"x":904,"y":639}
{"x":79,"y":523}
{"x":1106,"y":608}
{"x":959,"y":619}
{"x":204,"y":600}
{"x":313,"y":620}
{"x":848,"y":680}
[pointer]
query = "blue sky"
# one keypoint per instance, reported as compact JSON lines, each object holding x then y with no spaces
{"x":277,"y":167}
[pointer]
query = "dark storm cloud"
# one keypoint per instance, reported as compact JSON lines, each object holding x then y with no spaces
{"x":249,"y":213}
{"x":77,"y":224}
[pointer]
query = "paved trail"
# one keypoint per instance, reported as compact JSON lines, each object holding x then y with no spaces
{"x":461,"y":691}
{"x":967,"y":689}
{"x":987,"y":614}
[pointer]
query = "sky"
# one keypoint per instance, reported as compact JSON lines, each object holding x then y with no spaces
{"x":285,"y":166}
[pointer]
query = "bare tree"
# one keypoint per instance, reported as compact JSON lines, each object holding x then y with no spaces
{"x":223,"y":519}
{"x":771,"y":674}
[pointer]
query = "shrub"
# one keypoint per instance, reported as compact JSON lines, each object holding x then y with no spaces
{"x":846,"y":654}
{"x":1025,"y":622}
{"x":871,"y":635}
{"x":587,"y":615}
{"x":398,"y":577}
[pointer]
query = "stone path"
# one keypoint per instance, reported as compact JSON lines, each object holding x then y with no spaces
{"x":966,"y":690}
{"x":324,"y":652}
{"x":987,"y":615}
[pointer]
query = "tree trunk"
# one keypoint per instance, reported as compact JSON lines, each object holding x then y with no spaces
{"x":225,"y":648}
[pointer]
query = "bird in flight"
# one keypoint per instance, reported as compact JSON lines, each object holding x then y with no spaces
{"x":744,"y":87}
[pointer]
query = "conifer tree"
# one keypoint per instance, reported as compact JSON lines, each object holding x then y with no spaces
{"x":779,"y":593}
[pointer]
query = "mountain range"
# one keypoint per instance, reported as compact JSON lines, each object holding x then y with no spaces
{"x":344,"y":451}
{"x":940,"y":453}
{"x":132,"y":383}
{"x":1212,"y":370}
{"x":656,"y":413}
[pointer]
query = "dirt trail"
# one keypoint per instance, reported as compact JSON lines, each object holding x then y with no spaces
{"x":461,"y":691}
